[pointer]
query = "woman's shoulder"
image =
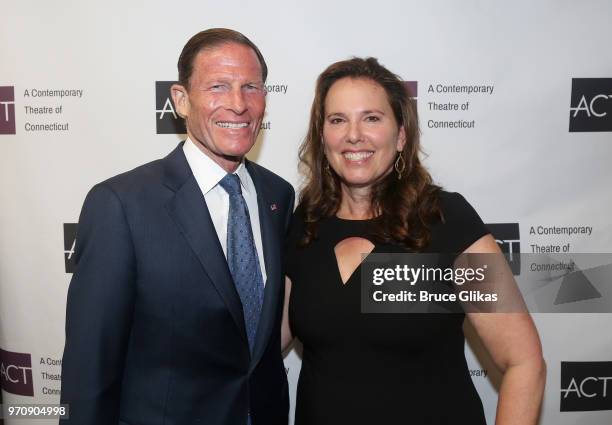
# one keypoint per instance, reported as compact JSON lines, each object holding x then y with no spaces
{"x":461,"y":225}
{"x":455,"y":207}
{"x":297,"y":220}
{"x":297,"y":228}
{"x":451,"y":200}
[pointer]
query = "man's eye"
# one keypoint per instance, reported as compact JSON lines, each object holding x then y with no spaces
{"x":254,"y":89}
{"x":372,"y":118}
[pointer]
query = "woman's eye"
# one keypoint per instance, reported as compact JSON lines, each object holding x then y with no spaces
{"x":372,"y":118}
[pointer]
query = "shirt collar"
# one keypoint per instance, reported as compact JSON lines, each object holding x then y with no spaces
{"x":208,"y":173}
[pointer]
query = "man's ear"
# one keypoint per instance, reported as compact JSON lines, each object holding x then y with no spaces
{"x":180,"y":97}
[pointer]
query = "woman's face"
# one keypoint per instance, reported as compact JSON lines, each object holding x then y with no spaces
{"x":360,"y":132}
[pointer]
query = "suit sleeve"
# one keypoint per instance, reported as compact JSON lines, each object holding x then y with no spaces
{"x":99,"y":311}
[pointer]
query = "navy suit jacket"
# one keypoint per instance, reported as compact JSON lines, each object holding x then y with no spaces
{"x":155,"y":332}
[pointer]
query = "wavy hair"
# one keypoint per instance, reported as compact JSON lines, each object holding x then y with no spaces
{"x":404,"y":208}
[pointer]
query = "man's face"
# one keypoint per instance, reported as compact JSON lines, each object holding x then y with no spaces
{"x":224,"y":103}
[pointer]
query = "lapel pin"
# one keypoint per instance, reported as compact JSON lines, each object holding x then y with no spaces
{"x":273,"y":207}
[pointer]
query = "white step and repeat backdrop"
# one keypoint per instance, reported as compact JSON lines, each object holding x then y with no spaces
{"x":83,"y":96}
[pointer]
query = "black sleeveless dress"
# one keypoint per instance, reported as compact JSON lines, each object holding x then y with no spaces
{"x":377,"y":368}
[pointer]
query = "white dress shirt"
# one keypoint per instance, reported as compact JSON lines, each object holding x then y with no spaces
{"x":208,"y":174}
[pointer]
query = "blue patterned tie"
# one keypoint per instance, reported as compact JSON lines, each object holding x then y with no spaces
{"x":242,"y":256}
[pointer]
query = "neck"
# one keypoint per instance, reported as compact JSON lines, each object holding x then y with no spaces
{"x":356,"y":203}
{"x":228,"y":163}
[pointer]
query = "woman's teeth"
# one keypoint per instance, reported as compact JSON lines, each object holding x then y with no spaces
{"x":357,"y":156}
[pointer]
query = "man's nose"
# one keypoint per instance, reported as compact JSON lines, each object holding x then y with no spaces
{"x":237,"y":102}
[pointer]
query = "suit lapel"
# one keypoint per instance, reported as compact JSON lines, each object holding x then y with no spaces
{"x":272,"y":253}
{"x":189,"y":211}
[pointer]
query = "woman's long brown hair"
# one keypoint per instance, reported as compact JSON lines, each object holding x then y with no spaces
{"x":406,"y":207}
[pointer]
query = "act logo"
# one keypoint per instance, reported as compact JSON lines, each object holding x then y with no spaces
{"x":7,"y":110}
{"x":508,"y":238}
{"x":586,"y":386}
{"x":16,"y":373}
{"x":167,"y":119}
{"x":70,"y":230}
{"x":591,"y":105}
{"x":413,"y":88}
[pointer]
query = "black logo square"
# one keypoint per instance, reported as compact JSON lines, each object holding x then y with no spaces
{"x":7,"y":110}
{"x":591,"y":105}
{"x":586,"y":386}
{"x":167,"y":119}
{"x":508,"y":238}
{"x":70,"y":230}
{"x":16,"y":373}
{"x":413,"y":88}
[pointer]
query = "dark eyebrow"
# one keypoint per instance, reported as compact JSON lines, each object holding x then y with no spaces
{"x":366,"y":112}
{"x":334,"y":113}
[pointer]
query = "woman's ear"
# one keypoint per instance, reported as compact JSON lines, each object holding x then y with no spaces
{"x":401,"y":139}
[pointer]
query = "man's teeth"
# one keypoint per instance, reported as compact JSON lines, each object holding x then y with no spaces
{"x":357,"y":156}
{"x":224,"y":124}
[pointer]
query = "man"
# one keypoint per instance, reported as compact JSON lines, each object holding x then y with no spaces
{"x":174,"y":311}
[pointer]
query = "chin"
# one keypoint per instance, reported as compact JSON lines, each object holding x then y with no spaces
{"x":238,"y":149}
{"x":358,"y":182}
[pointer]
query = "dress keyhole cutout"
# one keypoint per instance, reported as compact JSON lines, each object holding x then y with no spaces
{"x":350,"y":253}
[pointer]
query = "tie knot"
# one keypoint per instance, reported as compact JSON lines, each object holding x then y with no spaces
{"x":231,"y":184}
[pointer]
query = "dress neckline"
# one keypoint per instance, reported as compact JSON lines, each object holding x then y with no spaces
{"x":353,"y":220}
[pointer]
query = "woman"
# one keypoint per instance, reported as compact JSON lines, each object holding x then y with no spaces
{"x":367,"y":190}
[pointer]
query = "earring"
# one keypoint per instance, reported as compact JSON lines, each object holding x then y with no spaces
{"x":326,"y":167}
{"x":400,"y":165}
